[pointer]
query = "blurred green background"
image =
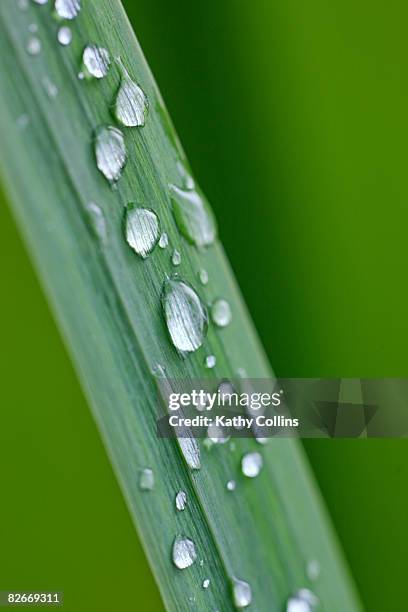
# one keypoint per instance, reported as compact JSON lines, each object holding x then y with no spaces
{"x":293,"y":116}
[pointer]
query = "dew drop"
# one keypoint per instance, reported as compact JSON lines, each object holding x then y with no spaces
{"x":50,"y":88}
{"x":210,"y":361}
{"x":221,"y":313}
{"x":176,"y":258}
{"x":142,"y":229}
{"x":242,"y":593}
{"x":67,"y":9}
{"x":203,"y":276}
{"x":33,"y":46}
{"x":186,"y":316}
{"x":64,"y":35}
{"x":313,"y":569}
{"x":131,"y":104}
{"x":206,"y":583}
{"x":110,"y":152}
{"x":193,"y":216}
{"x":181,"y":500}
{"x":97,"y":221}
{"x":231,"y":484}
{"x":191,"y":452}
{"x":81,"y":76}
{"x":251,"y":464}
{"x":303,"y":601}
{"x":146,"y":479}
{"x":184,"y":553}
{"x":216,"y":434}
{"x":96,"y":61}
{"x":164,"y":240}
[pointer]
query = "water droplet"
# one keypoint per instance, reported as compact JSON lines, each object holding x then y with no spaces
{"x":193,"y":216}
{"x":67,"y":9}
{"x":203,"y":276}
{"x":176,"y":258}
{"x":210,"y":361}
{"x":164,"y":240}
{"x":313,"y":569}
{"x":33,"y":46}
{"x":191,"y":452}
{"x":184,"y":553}
{"x":131,"y":104}
{"x":64,"y":35}
{"x":50,"y":87}
{"x":97,"y":221}
{"x":96,"y":61}
{"x":206,"y":583}
{"x":251,"y":464}
{"x":221,"y":313}
{"x":185,"y":315}
{"x":22,"y":121}
{"x":142,"y":229}
{"x":216,"y":434}
{"x":33,"y":28}
{"x":110,"y":152}
{"x":242,"y":593}
{"x":146,"y":479}
{"x":231,"y":484}
{"x":303,"y":601}
{"x":39,"y":1}
{"x":81,"y":76}
{"x":181,"y":500}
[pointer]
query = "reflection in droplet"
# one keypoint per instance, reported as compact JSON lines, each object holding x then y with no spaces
{"x":186,"y":316}
{"x":142,"y":229}
{"x":184,"y":553}
{"x":110,"y":152}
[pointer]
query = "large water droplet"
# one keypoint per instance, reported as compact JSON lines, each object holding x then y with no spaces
{"x":64,"y":35}
{"x":96,"y":61}
{"x":142,"y":229}
{"x":146,"y":479}
{"x":185,"y":315}
{"x":251,"y":464}
{"x":67,"y":9}
{"x":181,"y":500}
{"x":184,"y":553}
{"x":33,"y":46}
{"x":131,"y":104}
{"x":110,"y":152}
{"x":221,"y":313}
{"x":97,"y":221}
{"x":193,"y":216}
{"x":164,"y":240}
{"x":191,"y":452}
{"x":241,"y":593}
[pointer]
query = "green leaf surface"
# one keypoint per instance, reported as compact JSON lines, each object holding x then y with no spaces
{"x":108,"y":304}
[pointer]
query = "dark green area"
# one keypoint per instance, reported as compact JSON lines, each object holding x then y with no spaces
{"x":294,"y":119}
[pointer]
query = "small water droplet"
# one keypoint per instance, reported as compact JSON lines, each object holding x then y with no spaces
{"x":67,"y":9}
{"x":313,"y":569}
{"x":176,"y":258}
{"x":231,"y":484}
{"x":210,"y":361}
{"x":33,"y":46}
{"x":142,"y":229}
{"x":131,"y":104}
{"x":303,"y":601}
{"x":186,"y":316}
{"x":146,"y":479}
{"x":22,"y":121}
{"x":242,"y":593}
{"x":64,"y":35}
{"x":216,"y":434}
{"x":33,"y":28}
{"x":164,"y":240}
{"x":181,"y":500}
{"x":184,"y":553}
{"x":191,"y":452}
{"x":251,"y":464}
{"x":96,"y":61}
{"x":81,"y":76}
{"x":221,"y":313}
{"x":203,"y":276}
{"x":201,"y":562}
{"x":97,"y":221}
{"x":206,"y":583}
{"x":193,"y":216}
{"x":110,"y":152}
{"x":50,"y":88}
